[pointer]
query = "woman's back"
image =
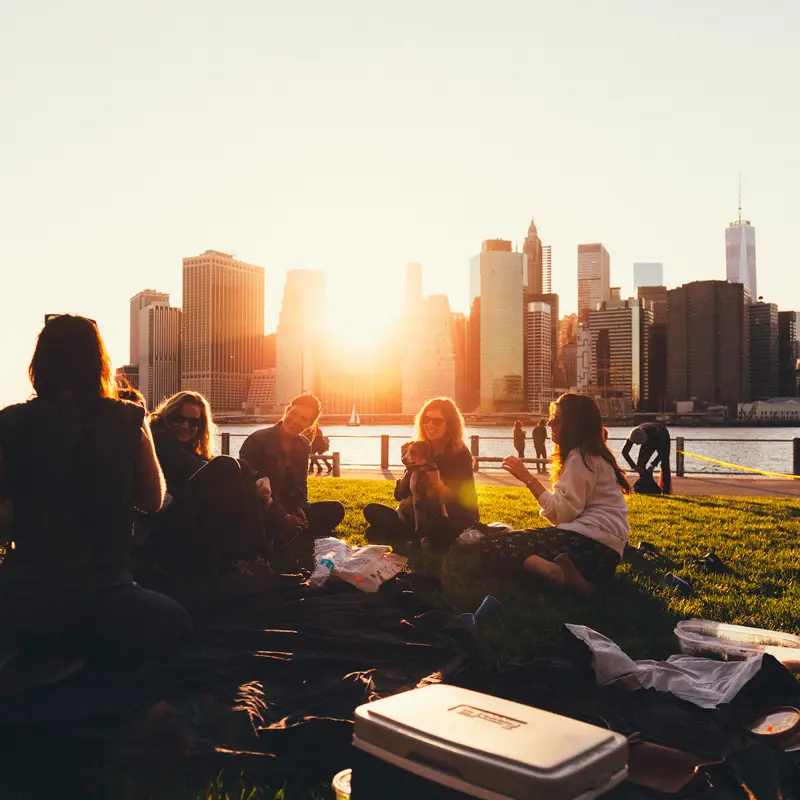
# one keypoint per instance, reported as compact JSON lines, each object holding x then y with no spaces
{"x":69,"y":468}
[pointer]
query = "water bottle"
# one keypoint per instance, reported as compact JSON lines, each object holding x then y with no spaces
{"x":322,"y":571}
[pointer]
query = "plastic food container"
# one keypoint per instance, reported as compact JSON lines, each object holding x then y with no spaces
{"x":490,"y":748}
{"x":703,"y":637}
{"x":341,"y":784}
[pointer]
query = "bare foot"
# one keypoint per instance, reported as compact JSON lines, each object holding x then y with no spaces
{"x":547,"y":570}
{"x":573,"y":579}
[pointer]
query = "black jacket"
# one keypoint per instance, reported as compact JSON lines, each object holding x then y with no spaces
{"x":456,"y":472}
{"x":178,"y":461}
{"x":287,"y":472}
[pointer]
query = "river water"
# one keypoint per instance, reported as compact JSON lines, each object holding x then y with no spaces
{"x":768,"y":449}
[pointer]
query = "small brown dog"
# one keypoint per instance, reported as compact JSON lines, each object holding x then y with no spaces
{"x":423,"y":503}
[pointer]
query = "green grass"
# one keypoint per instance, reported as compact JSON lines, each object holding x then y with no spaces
{"x":758,"y":537}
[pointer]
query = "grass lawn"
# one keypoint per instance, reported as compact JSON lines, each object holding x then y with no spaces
{"x":758,"y":537}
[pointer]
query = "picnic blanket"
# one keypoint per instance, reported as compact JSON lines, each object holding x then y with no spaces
{"x":270,"y":684}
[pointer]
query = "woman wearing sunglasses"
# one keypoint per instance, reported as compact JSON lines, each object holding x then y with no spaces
{"x":586,"y":506}
{"x":439,"y":423}
{"x":213,"y":519}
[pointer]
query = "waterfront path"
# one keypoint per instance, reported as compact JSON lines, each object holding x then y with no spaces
{"x":693,"y":486}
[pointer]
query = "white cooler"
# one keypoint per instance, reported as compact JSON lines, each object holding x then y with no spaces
{"x":490,"y":748}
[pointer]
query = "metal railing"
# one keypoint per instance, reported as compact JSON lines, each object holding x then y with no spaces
{"x":385,"y":463}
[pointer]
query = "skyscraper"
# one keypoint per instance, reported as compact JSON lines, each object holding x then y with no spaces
{"x":500,"y":274}
{"x":300,"y":334}
{"x":764,"y":364}
{"x":620,"y":332}
{"x":551,"y":300}
{"x":656,"y":298}
{"x":159,"y":352}
{"x":413,"y":336}
{"x":740,"y":253}
{"x":547,"y":269}
{"x":532,"y":248}
{"x":459,"y":325}
{"x":473,"y":356}
{"x":538,"y":357}
{"x":594,"y":277}
{"x":137,"y":303}
{"x":788,"y":354}
{"x":708,"y":344}
{"x":648,"y":273}
{"x":435,"y":359}
{"x":223,"y":327}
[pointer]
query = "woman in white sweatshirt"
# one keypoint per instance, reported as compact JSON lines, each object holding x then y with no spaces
{"x":586,"y":505}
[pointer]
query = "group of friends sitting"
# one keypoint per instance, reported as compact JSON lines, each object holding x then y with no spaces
{"x":97,"y":496}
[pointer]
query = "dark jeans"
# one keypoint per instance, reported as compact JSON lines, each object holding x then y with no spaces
{"x":118,"y":621}
{"x":293,"y":550}
{"x":217,"y":520}
{"x":646,"y":451}
{"x":541,"y":452}
{"x":315,"y":459}
{"x":386,"y":527}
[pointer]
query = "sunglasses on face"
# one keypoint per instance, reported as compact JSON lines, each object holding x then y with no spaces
{"x":192,"y":422}
{"x":434,"y":421}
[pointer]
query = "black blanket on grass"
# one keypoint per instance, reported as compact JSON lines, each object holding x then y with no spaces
{"x":270,"y":685}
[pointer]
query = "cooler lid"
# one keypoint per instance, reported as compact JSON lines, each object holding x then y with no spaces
{"x":452,"y":716}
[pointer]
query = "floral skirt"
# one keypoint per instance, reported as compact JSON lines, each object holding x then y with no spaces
{"x":507,"y":553}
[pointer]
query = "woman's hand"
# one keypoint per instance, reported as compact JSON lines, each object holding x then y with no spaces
{"x":297,"y":520}
{"x":513,"y":466}
{"x":434,"y":481}
{"x":265,"y":490}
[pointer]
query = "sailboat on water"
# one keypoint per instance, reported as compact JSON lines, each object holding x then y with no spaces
{"x":354,"y":420}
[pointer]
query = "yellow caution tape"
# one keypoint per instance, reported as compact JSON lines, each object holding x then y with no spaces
{"x":739,"y":466}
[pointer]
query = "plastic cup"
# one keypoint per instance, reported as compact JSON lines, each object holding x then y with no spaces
{"x":489,"y":608}
{"x":468,"y":620}
{"x":341,"y":784}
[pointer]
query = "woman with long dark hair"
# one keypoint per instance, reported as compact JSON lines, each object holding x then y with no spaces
{"x":74,"y":462}
{"x":586,"y":505}
{"x":440,"y":424}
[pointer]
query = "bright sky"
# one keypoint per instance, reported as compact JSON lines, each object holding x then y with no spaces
{"x":357,"y":136}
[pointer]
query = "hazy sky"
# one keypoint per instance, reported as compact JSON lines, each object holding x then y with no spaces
{"x":356,"y":136}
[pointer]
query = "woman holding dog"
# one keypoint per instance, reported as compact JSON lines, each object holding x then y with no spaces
{"x":586,"y":506}
{"x":450,"y":483}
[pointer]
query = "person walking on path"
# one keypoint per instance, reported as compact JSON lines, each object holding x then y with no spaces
{"x":320,"y":444}
{"x":539,"y":436}
{"x":519,"y":439}
{"x":652,"y":438}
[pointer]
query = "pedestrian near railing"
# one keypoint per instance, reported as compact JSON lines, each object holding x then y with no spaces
{"x":680,"y":442}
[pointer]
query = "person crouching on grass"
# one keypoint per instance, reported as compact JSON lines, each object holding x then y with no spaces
{"x":586,"y":506}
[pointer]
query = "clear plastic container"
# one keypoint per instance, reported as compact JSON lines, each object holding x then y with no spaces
{"x":703,"y":637}
{"x":341,"y":784}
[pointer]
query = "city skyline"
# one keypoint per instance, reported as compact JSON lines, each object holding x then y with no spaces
{"x":154,"y":159}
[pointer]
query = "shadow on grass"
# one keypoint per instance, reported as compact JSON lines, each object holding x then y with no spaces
{"x":533,"y":614}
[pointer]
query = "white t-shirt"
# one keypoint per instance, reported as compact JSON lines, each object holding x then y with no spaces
{"x":587,"y":499}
